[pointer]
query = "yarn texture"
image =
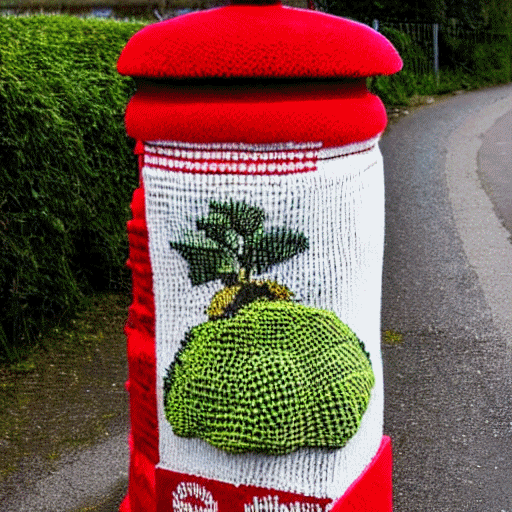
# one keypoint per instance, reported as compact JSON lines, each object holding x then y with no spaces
{"x":265,"y":374}
{"x":256,"y":250}
{"x":226,"y":244}
{"x":336,"y":114}
{"x":276,"y":377}
{"x":242,"y":41}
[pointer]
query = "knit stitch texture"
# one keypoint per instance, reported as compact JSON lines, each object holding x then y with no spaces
{"x":276,"y":377}
{"x":338,"y":210}
{"x":242,"y":41}
{"x":257,"y":393}
{"x":337,"y":114}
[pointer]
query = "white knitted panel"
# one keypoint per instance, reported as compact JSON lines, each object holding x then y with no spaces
{"x":340,"y":208}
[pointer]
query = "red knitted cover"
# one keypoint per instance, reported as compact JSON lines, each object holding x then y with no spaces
{"x":334,"y":113}
{"x":241,"y":42}
{"x":271,"y":41}
{"x":373,"y":490}
{"x":140,"y":331}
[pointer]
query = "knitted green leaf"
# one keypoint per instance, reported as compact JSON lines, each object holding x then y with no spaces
{"x":206,"y":259}
{"x":233,"y":241}
{"x":275,"y":377}
{"x":217,"y":227}
{"x":273,"y":247}
{"x":245,"y":219}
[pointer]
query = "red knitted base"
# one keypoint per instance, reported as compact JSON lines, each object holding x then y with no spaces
{"x":371,"y":492}
{"x":177,"y":492}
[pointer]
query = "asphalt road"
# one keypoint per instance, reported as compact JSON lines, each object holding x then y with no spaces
{"x":447,"y":290}
{"x":447,"y":304}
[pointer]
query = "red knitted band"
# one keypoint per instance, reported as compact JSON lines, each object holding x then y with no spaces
{"x":184,"y":493}
{"x":179,"y":492}
{"x":335,"y":113}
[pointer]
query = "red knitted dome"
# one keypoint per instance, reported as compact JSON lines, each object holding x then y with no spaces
{"x":250,"y":41}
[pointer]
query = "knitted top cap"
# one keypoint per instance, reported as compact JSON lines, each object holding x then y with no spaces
{"x":256,"y":74}
{"x":258,"y":41}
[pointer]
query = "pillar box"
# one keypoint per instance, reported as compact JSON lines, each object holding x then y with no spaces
{"x":256,"y":244}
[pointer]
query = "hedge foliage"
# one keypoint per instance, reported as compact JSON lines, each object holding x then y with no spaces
{"x":66,"y":168}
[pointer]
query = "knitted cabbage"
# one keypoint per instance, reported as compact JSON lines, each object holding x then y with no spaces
{"x":275,"y":377}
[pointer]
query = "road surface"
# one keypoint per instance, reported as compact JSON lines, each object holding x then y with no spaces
{"x":447,"y":289}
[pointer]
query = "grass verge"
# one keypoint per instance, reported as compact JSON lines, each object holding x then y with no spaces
{"x":69,"y":392}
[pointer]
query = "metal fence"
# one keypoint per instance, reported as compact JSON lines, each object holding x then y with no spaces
{"x":417,"y":43}
{"x":424,"y":45}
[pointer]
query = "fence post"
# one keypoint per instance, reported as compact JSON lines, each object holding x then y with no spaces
{"x":435,"y":43}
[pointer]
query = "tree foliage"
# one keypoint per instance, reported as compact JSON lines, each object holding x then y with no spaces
{"x":473,"y":14}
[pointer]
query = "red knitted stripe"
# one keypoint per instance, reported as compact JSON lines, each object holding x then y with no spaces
{"x":145,"y":293}
{"x":141,"y":268}
{"x":140,"y":330}
{"x":142,"y":310}
{"x":137,"y":243}
{"x":145,"y":325}
{"x":144,"y":298}
{"x":141,"y":489}
{"x":141,"y":370}
{"x":210,"y":159}
{"x":144,"y":434}
{"x":137,"y":227}
{"x":138,"y":238}
{"x":137,"y":206}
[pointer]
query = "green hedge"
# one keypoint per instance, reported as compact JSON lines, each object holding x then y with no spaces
{"x":67,"y":168}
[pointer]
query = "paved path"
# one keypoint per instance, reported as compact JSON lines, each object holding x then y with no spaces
{"x":495,"y":167}
{"x":447,"y":291}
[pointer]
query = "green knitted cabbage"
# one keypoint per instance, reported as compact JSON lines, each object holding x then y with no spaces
{"x":275,"y":377}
